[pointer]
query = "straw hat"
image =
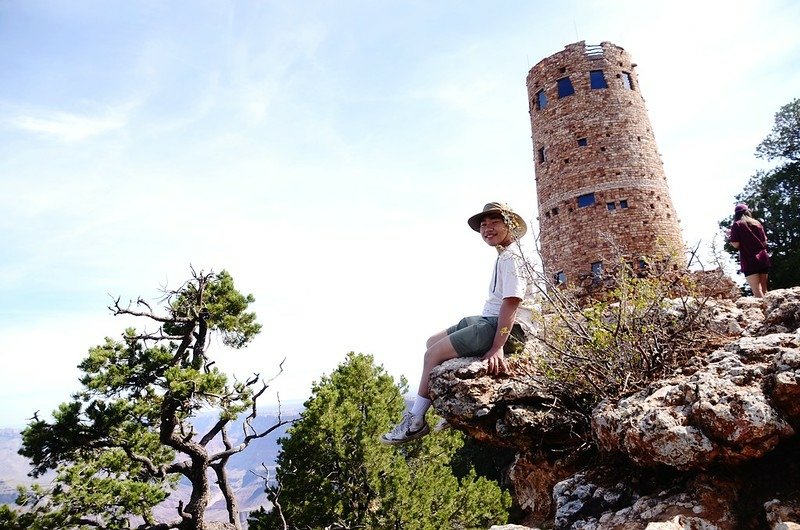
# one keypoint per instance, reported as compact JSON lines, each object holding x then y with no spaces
{"x":514,"y":221}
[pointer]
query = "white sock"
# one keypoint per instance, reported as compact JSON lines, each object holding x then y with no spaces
{"x":421,"y":406}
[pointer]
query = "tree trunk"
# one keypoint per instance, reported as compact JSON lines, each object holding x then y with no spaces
{"x":196,"y":509}
{"x":231,"y":503}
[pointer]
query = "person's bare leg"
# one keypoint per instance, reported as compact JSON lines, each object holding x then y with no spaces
{"x":762,"y":279}
{"x":438,"y":352}
{"x":413,"y":424}
{"x":436,"y":338}
{"x":755,"y":284}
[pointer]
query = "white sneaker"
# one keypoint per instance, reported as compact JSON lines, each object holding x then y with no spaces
{"x":410,"y":428}
{"x":442,"y":425}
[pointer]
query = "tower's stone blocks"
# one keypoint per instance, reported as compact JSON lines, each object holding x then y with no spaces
{"x":600,"y":181}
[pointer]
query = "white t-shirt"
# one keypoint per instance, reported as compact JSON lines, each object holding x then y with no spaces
{"x":510,"y":279}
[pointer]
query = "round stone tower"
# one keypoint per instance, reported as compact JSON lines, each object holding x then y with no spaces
{"x":601,"y":187}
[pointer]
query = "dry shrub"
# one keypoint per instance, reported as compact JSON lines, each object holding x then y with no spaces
{"x":632,"y":325}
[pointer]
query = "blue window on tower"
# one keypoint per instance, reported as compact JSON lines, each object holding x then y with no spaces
{"x":582,"y":142}
{"x":560,"y":277}
{"x":541,"y":100}
{"x":597,"y":270}
{"x":585,"y":200}
{"x":565,"y":87}
{"x":597,"y":79}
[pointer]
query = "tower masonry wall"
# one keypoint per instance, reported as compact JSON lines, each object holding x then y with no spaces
{"x":602,"y":192}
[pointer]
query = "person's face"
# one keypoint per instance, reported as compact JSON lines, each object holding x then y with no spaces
{"x":494,"y":231}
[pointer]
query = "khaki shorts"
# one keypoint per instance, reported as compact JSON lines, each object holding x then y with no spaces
{"x":473,"y":336}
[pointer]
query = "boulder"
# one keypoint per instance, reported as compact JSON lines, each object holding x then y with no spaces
{"x":715,"y":284}
{"x":701,"y":503}
{"x":515,"y":409}
{"x":711,"y":446}
{"x":533,"y":477}
{"x":737,"y":405}
{"x":782,"y":515}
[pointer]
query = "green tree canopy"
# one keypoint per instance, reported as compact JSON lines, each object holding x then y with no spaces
{"x":774,"y":196}
{"x":333,"y":472}
{"x":783,"y":141}
{"x":125,"y":439}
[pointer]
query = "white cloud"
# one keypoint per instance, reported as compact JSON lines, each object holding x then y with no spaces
{"x":69,"y":127}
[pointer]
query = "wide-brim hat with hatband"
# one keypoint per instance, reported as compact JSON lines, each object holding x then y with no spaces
{"x":513,"y":220}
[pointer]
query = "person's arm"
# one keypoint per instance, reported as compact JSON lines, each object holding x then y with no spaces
{"x":505,"y":321}
{"x":733,"y":236}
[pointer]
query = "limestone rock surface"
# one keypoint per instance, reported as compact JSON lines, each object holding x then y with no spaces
{"x":782,"y":516}
{"x":721,"y":411}
{"x":582,"y":504}
{"x":712,"y":446}
{"x":512,"y":410}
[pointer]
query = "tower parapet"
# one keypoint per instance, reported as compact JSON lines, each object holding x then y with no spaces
{"x":600,"y":180}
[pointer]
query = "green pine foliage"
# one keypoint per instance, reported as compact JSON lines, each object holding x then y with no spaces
{"x":122,"y":442}
{"x":774,"y":197}
{"x":333,"y":472}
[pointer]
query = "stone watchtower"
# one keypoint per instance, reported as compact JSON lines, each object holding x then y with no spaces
{"x":600,"y":181}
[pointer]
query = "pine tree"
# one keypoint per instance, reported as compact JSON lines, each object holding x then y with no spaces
{"x":774,"y":197}
{"x":333,"y":472}
{"x":124,"y":440}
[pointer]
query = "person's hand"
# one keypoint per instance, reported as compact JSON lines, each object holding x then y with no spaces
{"x":495,"y":362}
{"x":728,"y":233}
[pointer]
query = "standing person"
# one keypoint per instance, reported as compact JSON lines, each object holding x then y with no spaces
{"x":485,"y":336}
{"x":747,"y":234}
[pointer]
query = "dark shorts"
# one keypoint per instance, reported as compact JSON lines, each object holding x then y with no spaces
{"x":761,"y":270}
{"x":473,"y":336}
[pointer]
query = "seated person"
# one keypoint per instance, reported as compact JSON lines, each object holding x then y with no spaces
{"x":483,"y":336}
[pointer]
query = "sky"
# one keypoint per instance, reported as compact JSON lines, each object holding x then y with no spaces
{"x":326,"y":154}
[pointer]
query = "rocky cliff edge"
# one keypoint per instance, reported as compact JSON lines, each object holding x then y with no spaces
{"x":713,"y":446}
